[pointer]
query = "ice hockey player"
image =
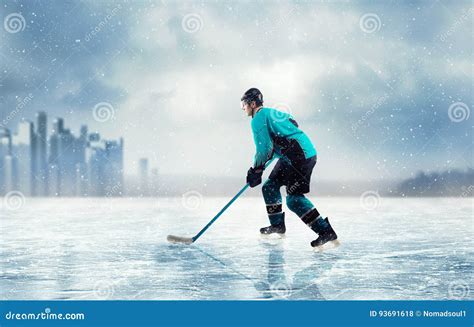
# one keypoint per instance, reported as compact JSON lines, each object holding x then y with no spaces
{"x":277,"y":135}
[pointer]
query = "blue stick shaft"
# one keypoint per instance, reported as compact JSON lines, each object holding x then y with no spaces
{"x":224,"y":209}
{"x":220,"y":213}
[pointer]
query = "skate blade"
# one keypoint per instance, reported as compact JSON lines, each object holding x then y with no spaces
{"x":272,"y":239}
{"x":273,"y":236}
{"x":327,"y":246}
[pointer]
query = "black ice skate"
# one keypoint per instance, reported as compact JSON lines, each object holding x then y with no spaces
{"x":274,"y":229}
{"x":326,"y":235}
{"x":278,"y":229}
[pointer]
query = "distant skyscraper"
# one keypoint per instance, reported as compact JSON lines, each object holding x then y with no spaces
{"x":143,"y":173}
{"x":10,"y":172}
{"x":42,"y":148}
{"x":94,"y":172}
{"x":6,"y":172}
{"x":105,"y":166}
{"x":114,"y":151}
{"x":67,"y":159}
{"x":53,"y":163}
{"x":82,"y":180}
{"x":5,"y":142}
{"x":97,"y":172}
{"x":58,"y":126}
{"x":24,"y":150}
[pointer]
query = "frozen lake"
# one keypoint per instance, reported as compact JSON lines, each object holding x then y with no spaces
{"x":117,"y":249}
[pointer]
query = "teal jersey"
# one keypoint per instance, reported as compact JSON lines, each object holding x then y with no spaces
{"x":276,"y":134}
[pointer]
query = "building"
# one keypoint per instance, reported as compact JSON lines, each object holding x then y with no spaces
{"x":61,"y":165}
{"x":143,"y":173}
{"x":7,"y":162}
{"x":105,"y":169}
{"x":24,"y":152}
{"x":42,"y":154}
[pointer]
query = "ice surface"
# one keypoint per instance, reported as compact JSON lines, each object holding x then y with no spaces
{"x":117,"y":249}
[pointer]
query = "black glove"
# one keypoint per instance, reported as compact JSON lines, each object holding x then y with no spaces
{"x":254,"y":176}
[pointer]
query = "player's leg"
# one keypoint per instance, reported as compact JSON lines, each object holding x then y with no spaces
{"x":299,"y":184}
{"x":307,"y":212}
{"x":273,"y":201}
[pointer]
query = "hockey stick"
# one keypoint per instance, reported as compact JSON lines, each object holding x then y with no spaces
{"x":191,"y":240}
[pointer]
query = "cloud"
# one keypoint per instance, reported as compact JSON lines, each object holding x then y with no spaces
{"x":376,"y":104}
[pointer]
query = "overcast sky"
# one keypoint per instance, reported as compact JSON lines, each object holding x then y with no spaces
{"x":383,"y":88}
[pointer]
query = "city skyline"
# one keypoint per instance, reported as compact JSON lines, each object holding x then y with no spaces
{"x":39,"y":161}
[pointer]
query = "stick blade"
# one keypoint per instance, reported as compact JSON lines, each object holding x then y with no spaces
{"x":179,"y":239}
